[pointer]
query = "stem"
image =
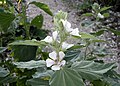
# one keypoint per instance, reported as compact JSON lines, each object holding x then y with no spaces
{"x":24,"y":7}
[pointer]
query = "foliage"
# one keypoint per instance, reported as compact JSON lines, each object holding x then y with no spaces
{"x":25,"y":60}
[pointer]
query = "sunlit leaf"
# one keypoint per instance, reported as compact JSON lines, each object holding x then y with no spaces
{"x":30,"y":64}
{"x":26,"y":42}
{"x":42,"y":6}
{"x":106,"y":15}
{"x":104,"y":8}
{"x":87,"y":36}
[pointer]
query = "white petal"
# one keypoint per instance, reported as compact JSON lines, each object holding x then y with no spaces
{"x":61,"y":55}
{"x":53,"y":55}
{"x":62,"y":63}
{"x":75,"y":32}
{"x":67,"y":25}
{"x":55,"y":67}
{"x":48,"y":39}
{"x":49,"y":62}
{"x":100,"y":16}
{"x":55,"y":34}
{"x":66,"y":45}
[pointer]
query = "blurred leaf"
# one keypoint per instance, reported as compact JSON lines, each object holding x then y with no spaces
{"x":87,"y":14}
{"x":8,"y":79}
{"x":66,"y":77}
{"x":26,"y":42}
{"x":72,"y":54}
{"x":98,"y":33}
{"x":104,"y":8}
{"x":87,"y":36}
{"x":87,"y":23}
{"x":91,"y":70}
{"x":40,"y":74}
{"x":97,"y":40}
{"x":24,"y":53}
{"x":112,"y":77}
{"x":99,"y":83}
{"x":5,"y":20}
{"x":114,"y":31}
{"x":42,"y":6}
{"x":38,"y":34}
{"x":37,"y":82}
{"x":106,"y":15}
{"x":37,"y":21}
{"x":3,"y":72}
{"x":2,"y":49}
{"x":30,"y":64}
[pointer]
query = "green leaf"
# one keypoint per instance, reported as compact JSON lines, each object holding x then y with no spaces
{"x":40,"y":74}
{"x":24,"y":53}
{"x":42,"y":6}
{"x":87,"y":36}
{"x":98,"y":33}
{"x":106,"y":15}
{"x":5,"y":20}
{"x":104,"y":8}
{"x":2,"y":49}
{"x":114,"y":31}
{"x":99,"y":83}
{"x":72,"y":54}
{"x":87,"y":14}
{"x":26,"y":42}
{"x":30,"y":64}
{"x":112,"y":77}
{"x":37,"y":21}
{"x":66,"y":77}
{"x":37,"y":82}
{"x":3,"y":72}
{"x":8,"y":79}
{"x":91,"y":70}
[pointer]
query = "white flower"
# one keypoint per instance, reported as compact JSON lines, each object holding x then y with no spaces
{"x":65,"y":45}
{"x":75,"y":32}
{"x":67,"y":26}
{"x":100,"y":15}
{"x":50,"y":39}
{"x":55,"y":61}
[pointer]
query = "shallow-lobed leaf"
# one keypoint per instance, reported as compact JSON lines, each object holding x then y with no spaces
{"x":66,"y":77}
{"x":92,"y":70}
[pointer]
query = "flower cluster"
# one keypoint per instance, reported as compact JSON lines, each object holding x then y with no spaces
{"x":100,"y":15}
{"x":56,"y":58}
